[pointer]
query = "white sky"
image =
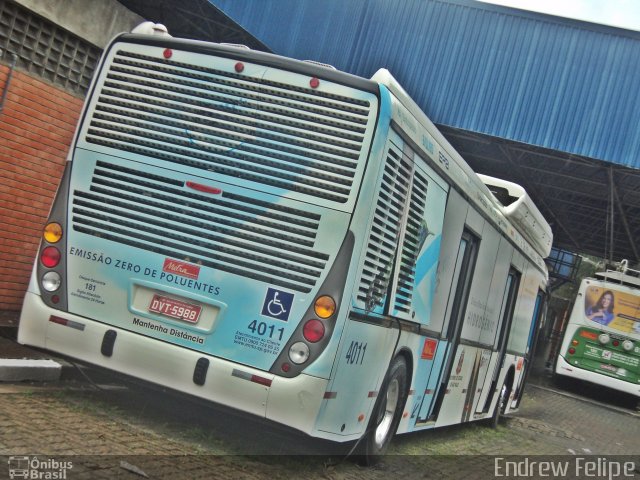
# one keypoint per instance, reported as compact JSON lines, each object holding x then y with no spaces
{"x":618,"y":13}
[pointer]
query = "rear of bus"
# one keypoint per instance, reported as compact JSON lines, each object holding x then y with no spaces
{"x":602,"y":341}
{"x":200,"y":238}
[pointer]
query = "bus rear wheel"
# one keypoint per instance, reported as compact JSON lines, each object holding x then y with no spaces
{"x":386,"y":414}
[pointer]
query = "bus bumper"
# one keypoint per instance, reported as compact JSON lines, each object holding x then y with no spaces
{"x":565,"y":368}
{"x":294,"y":402}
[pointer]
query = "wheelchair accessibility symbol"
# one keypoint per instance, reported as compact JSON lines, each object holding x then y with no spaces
{"x":277,"y":304}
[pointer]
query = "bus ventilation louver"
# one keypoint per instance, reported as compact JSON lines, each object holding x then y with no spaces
{"x":229,"y":232}
{"x":415,"y":235}
{"x":229,"y":124}
{"x":385,"y":232}
{"x":400,"y":182}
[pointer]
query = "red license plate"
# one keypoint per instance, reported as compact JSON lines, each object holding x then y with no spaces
{"x":173,"y":308}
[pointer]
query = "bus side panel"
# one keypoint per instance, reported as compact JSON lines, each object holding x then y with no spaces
{"x":521,"y":327}
{"x":361,"y":365}
{"x":426,"y":264}
{"x":485,"y":382}
{"x":455,"y":213}
{"x":425,"y":397}
{"x":457,"y":386}
{"x":427,"y":361}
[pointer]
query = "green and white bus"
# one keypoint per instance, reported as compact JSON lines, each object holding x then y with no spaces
{"x":601,"y":343}
{"x":293,"y":241}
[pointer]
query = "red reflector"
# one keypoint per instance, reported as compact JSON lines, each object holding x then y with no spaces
{"x":204,"y":188}
{"x":50,"y":257}
{"x":572,"y":350}
{"x":313,"y":331}
{"x":615,"y":343}
{"x":261,"y":380}
{"x":285,"y":367}
{"x":239,"y":67}
{"x":167,"y":53}
{"x":66,"y":323}
{"x":55,"y":299}
{"x":314,"y":82}
{"x":58,"y":320}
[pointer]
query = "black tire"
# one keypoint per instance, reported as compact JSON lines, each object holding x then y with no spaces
{"x":501,"y":406}
{"x":386,"y":413}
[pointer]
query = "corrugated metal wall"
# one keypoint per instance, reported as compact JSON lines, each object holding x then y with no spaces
{"x":547,"y":81}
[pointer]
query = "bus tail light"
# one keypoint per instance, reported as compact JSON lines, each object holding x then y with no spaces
{"x":50,"y":257}
{"x":315,"y":325}
{"x":313,"y":331}
{"x":51,"y":262}
{"x":572,"y":351}
{"x":604,"y":338}
{"x":627,"y":345}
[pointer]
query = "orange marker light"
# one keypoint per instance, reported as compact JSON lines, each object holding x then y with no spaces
{"x":325,"y":306}
{"x":52,"y":232}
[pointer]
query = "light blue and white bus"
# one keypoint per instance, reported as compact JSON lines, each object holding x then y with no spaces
{"x":290,"y":240}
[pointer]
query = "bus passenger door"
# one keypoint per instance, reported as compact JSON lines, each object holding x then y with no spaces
{"x":539,"y":314}
{"x":506,"y":316}
{"x":457,"y":303}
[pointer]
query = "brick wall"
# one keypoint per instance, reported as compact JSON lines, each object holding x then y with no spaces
{"x":36,"y":129}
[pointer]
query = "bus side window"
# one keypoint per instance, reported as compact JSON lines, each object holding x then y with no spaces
{"x":463,"y":275}
{"x":508,"y":306}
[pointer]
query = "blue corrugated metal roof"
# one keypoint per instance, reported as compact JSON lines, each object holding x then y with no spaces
{"x":548,"y":81}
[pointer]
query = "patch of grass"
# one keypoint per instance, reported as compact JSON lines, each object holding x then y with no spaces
{"x":455,"y":440}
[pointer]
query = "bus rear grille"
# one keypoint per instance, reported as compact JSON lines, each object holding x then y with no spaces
{"x":230,"y":124}
{"x":228,"y":232}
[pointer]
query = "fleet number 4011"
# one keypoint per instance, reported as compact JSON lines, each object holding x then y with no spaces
{"x":265,"y":330}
